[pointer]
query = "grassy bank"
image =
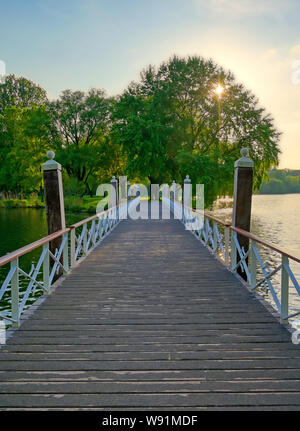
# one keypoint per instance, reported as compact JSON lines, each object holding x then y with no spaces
{"x":73,"y":204}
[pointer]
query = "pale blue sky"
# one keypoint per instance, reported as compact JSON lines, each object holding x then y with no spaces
{"x":80,"y":44}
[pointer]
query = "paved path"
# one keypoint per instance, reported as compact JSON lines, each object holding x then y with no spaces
{"x":150,"y":320}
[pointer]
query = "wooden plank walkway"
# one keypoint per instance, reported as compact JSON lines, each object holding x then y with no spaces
{"x":150,"y":320}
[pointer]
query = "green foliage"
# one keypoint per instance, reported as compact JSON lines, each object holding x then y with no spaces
{"x":169,"y":124}
{"x":21,"y":203}
{"x":20,"y":92}
{"x":281,"y":181}
{"x":172,"y":123}
{"x":86,"y":204}
{"x":22,"y":149}
{"x":80,"y":135}
{"x":72,"y":203}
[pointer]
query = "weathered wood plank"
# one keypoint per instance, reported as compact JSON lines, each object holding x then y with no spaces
{"x":151,"y":400}
{"x":150,"y":320}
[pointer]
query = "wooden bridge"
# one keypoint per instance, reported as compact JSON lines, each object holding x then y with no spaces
{"x":149,"y":318}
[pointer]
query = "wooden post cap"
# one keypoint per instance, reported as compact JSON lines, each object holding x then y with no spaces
{"x":187,"y":180}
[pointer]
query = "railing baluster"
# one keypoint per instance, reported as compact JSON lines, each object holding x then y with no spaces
{"x":85,"y":227}
{"x":233,"y":253}
{"x":66,"y":254}
{"x":284,"y":290}
{"x":64,"y":258}
{"x":253,"y":273}
{"x":46,"y":269}
{"x":215,"y":237}
{"x":227,"y":239}
{"x":15,"y":294}
{"x":211,"y":237}
{"x":72,"y":247}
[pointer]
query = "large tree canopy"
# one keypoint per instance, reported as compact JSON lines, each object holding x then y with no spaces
{"x":171,"y":123}
{"x":20,"y":92}
{"x":80,"y":133}
{"x":174,"y":123}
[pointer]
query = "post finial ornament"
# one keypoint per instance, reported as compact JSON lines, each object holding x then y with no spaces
{"x":50,"y":155}
{"x":244,"y":161}
{"x":244,"y":152}
{"x":51,"y":164}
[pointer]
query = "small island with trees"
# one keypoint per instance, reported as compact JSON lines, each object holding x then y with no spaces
{"x":187,"y":116}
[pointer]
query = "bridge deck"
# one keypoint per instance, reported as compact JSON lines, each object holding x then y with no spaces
{"x":150,"y":320}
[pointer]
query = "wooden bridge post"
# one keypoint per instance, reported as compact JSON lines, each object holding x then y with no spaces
{"x":243,"y":182}
{"x":54,"y":199}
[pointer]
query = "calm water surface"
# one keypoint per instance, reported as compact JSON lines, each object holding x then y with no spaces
{"x":19,"y":227}
{"x":275,"y":218}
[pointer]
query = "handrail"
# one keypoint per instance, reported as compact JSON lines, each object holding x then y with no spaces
{"x":247,"y":262}
{"x":213,"y":218}
{"x":250,"y":236}
{"x":264,"y":243}
{"x":94,"y":217}
{"x":226,"y":224}
{"x":76,"y":242}
{"x":7,"y":258}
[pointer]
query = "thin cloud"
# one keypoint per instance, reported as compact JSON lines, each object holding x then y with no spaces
{"x":295,"y":50}
{"x":247,"y":7}
{"x":270,"y":53}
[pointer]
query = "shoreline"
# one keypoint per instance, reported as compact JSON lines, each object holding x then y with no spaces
{"x":85,"y":204}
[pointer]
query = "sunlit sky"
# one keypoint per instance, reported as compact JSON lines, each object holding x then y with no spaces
{"x":80,"y":44}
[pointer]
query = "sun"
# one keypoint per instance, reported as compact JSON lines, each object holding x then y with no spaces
{"x":219,"y":90}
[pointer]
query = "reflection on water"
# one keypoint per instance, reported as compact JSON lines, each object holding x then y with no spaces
{"x":275,"y":218}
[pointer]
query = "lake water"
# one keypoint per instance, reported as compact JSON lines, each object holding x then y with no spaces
{"x":275,"y":218}
{"x":19,"y":227}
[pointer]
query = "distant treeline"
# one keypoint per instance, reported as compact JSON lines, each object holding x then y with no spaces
{"x":281,"y":181}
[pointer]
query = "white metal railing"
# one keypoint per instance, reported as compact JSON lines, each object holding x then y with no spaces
{"x":222,"y":239}
{"x":75,"y":243}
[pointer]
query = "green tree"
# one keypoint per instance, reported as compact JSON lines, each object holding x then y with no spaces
{"x":20,"y":92}
{"x":22,"y":118}
{"x":80,"y":129}
{"x":23,"y":144}
{"x":281,"y":181}
{"x":173,"y":123}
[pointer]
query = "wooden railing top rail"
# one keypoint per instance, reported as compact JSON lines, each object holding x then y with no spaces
{"x":30,"y":247}
{"x":265,"y":243}
{"x":7,"y":258}
{"x":256,"y":239}
{"x":226,"y":224}
{"x":94,"y":217}
{"x":251,"y":236}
